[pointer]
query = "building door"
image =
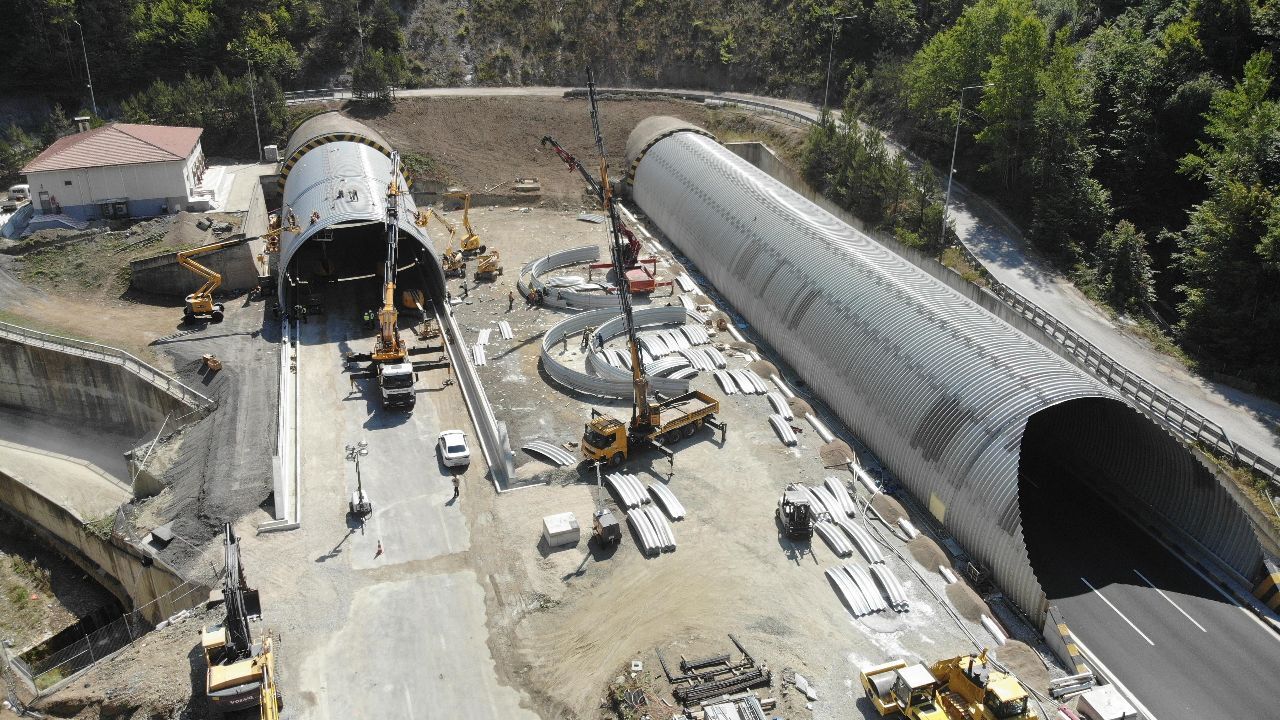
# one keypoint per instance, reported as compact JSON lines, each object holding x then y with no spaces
{"x":46,"y":206}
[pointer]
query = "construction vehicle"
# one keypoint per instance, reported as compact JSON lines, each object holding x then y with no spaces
{"x":607,"y":439}
{"x":470,"y":244}
{"x":488,"y":266}
{"x":238,"y":671}
{"x":631,"y":254}
{"x":394,"y":372}
{"x":453,"y":262}
{"x":795,"y":514}
{"x":974,"y":690}
{"x":199,"y":305}
{"x":896,"y":688}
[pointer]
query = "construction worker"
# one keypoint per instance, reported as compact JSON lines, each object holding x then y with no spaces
{"x":511,"y":300}
{"x":457,"y":484}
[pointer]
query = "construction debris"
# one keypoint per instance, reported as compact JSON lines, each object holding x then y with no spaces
{"x":717,"y":676}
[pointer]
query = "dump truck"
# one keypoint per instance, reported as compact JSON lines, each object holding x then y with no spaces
{"x":896,"y":688}
{"x":974,"y":690}
{"x":609,"y":440}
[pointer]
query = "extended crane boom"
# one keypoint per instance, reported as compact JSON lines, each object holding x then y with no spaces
{"x":389,"y":347}
{"x":632,"y":252}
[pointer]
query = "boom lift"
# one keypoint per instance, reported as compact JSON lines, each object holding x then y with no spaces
{"x":606,"y":439}
{"x":199,"y":305}
{"x":239,"y":673}
{"x":470,"y":240}
{"x":452,"y":262}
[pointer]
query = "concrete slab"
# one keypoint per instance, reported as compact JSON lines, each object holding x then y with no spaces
{"x":76,"y":485}
{"x":410,"y":649}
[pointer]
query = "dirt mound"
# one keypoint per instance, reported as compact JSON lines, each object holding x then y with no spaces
{"x":763,"y":368}
{"x":891,"y":510}
{"x":1025,"y":663}
{"x":967,"y":602}
{"x":927,"y":553}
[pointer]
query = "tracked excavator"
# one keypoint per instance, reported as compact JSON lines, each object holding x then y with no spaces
{"x":199,"y":305}
{"x":239,"y":673}
{"x":653,"y":424}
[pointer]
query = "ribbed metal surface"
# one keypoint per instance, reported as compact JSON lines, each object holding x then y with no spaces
{"x":939,"y":388}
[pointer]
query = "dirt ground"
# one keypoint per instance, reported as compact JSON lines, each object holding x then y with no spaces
{"x":479,"y":142}
{"x":567,"y":622}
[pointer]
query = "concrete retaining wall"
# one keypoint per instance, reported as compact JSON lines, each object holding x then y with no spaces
{"x":134,"y":577}
{"x":162,"y":275}
{"x":82,"y":391}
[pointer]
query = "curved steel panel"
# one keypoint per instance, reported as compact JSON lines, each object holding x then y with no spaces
{"x":327,"y":127}
{"x":344,"y":183}
{"x":938,"y":387}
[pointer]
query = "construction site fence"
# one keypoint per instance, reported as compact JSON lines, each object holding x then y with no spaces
{"x":199,"y":404}
{"x":46,"y":673}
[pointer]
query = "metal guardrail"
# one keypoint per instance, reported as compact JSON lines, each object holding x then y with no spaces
{"x":199,"y":404}
{"x":1175,"y":415}
{"x":494,"y":441}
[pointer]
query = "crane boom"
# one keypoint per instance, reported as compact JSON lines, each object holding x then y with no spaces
{"x":632,"y":252}
{"x":388,"y":347}
{"x":642,"y":414}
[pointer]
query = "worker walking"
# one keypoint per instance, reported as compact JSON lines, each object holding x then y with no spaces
{"x":511,"y":300}
{"x":456,"y":485}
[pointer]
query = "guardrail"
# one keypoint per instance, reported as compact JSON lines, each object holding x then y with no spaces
{"x":199,"y":404}
{"x":494,"y":441}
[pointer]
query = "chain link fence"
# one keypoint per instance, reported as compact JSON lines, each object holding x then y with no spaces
{"x":43,"y":670}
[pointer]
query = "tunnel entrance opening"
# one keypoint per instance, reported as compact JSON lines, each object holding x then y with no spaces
{"x":1084,"y":463}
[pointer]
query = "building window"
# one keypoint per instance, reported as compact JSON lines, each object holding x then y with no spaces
{"x":67,"y":183}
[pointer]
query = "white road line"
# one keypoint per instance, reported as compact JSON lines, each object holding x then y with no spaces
{"x":1090,"y":657}
{"x":1171,"y":602}
{"x":1122,"y":615}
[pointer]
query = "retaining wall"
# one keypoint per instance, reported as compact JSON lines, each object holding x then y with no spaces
{"x":136,"y":578}
{"x":162,"y":275}
{"x":82,"y":391}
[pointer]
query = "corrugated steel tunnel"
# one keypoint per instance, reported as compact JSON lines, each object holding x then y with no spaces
{"x":983,"y":425}
{"x":335,"y":172}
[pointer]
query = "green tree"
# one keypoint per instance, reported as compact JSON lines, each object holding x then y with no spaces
{"x":1124,"y":273}
{"x":376,"y":74}
{"x":1009,"y":105}
{"x":1229,"y":252}
{"x":382,"y":28}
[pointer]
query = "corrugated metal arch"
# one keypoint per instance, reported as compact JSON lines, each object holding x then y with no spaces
{"x":938,"y":387}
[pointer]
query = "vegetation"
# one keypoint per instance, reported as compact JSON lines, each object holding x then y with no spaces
{"x":1135,"y":140}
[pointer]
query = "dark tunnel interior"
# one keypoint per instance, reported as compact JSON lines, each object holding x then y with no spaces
{"x":1082,"y":462}
{"x":345,"y":264}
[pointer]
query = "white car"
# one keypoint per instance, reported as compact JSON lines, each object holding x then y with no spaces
{"x":453,"y":448}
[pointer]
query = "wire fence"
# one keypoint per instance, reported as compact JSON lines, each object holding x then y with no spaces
{"x":200,"y":404}
{"x":43,"y":670}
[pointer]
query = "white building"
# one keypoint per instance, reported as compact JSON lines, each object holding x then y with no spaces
{"x":118,"y":171}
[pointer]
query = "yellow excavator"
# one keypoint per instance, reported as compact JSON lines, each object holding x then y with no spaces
{"x":239,"y":673}
{"x":452,"y":262}
{"x":199,"y":305}
{"x":470,"y":240}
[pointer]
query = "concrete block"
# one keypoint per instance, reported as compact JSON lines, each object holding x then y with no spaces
{"x":561,"y":530}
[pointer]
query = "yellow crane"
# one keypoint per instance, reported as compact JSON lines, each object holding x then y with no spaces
{"x":470,"y":240}
{"x":389,"y":348}
{"x":199,"y":305}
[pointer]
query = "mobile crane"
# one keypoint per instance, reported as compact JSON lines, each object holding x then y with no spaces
{"x":604,"y":438}
{"x":199,"y":305}
{"x":631,"y":254}
{"x":239,"y":673}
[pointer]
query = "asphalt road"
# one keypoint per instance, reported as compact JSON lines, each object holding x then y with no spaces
{"x":1181,"y":647}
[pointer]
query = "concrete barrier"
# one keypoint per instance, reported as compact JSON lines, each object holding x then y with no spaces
{"x":82,"y":391}
{"x":162,"y":275}
{"x":134,"y":576}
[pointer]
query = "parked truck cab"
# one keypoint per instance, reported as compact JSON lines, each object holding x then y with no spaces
{"x":395,"y":380}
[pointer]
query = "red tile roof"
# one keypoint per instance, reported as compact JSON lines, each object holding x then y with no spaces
{"x":117,"y":144}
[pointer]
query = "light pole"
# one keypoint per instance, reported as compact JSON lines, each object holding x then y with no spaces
{"x":942,"y":237}
{"x":831,"y":46}
{"x":92,"y":101}
{"x":253,"y":98}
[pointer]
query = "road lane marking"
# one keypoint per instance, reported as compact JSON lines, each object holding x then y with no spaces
{"x":1129,"y":695}
{"x":1122,"y":615}
{"x":1171,"y":602}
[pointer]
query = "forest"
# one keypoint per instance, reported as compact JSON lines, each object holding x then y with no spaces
{"x":1137,"y":142}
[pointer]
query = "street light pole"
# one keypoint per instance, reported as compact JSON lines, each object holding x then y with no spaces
{"x":831,"y":46}
{"x":92,"y":100}
{"x":955,"y":142}
{"x":253,"y":98}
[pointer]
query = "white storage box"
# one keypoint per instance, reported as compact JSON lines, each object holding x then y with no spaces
{"x":561,"y":529}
